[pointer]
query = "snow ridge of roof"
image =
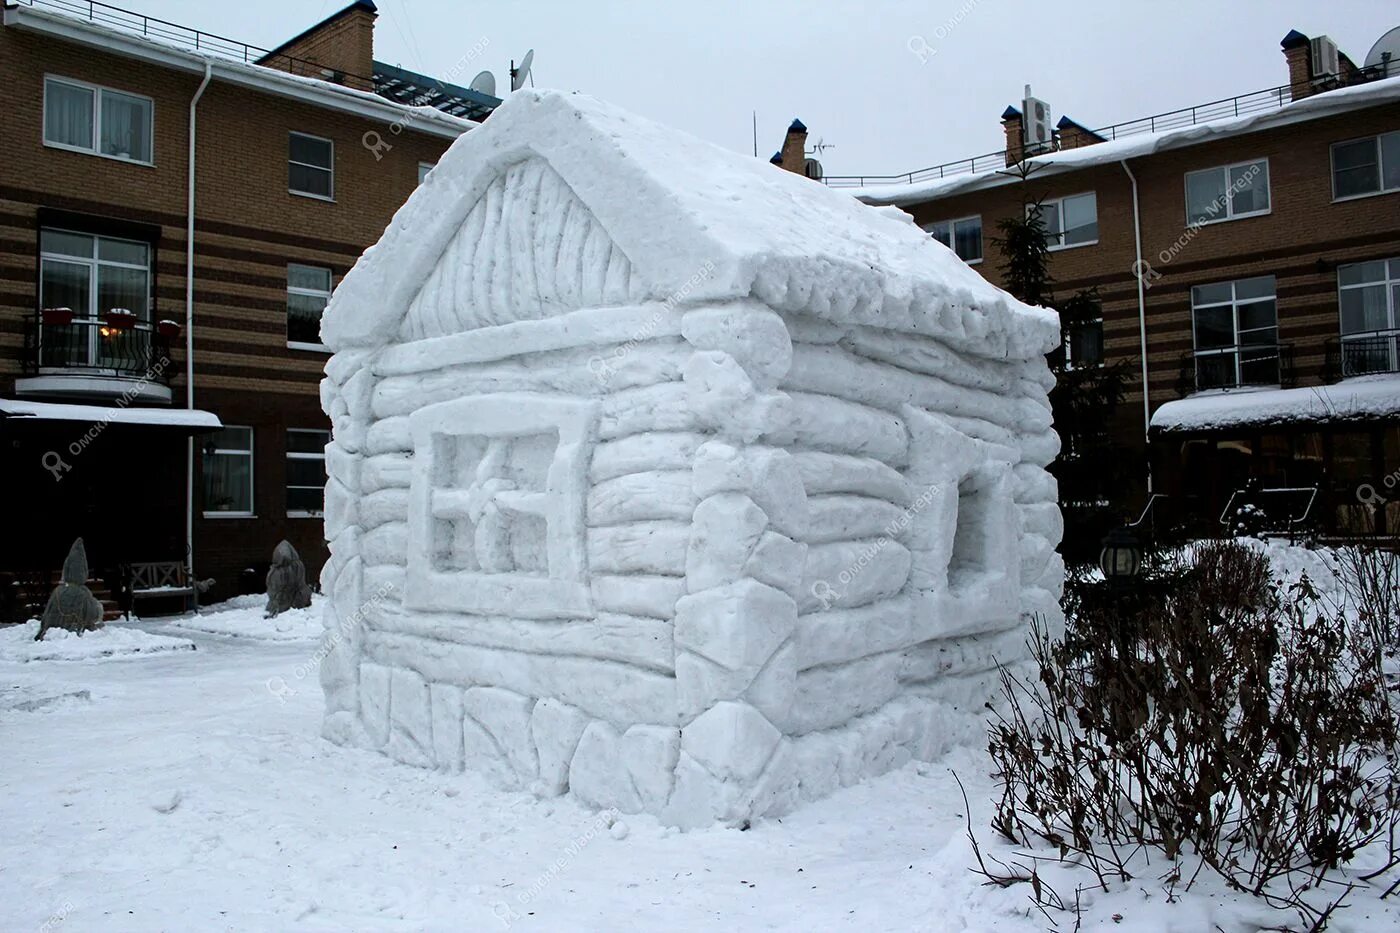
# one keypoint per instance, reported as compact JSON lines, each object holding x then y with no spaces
{"x":675,"y":205}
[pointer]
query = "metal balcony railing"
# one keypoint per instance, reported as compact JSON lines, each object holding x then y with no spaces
{"x":1236,"y":367}
{"x":55,"y":345}
{"x":1365,"y":354}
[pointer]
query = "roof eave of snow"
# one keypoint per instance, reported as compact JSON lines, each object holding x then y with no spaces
{"x":1363,"y":398}
{"x":99,"y":414}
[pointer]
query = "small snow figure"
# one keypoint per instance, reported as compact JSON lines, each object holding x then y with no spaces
{"x":71,"y":605}
{"x":286,"y":581}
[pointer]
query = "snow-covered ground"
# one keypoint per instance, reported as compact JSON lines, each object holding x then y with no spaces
{"x":17,"y":644}
{"x":242,"y":617}
{"x":191,"y":790}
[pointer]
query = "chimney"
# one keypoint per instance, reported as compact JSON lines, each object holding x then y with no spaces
{"x":339,"y":48}
{"x":1011,"y":122}
{"x":1296,"y":51}
{"x":794,"y":151}
{"x":1074,"y":135}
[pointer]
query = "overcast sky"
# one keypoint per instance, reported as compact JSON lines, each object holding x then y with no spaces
{"x":893,"y":85}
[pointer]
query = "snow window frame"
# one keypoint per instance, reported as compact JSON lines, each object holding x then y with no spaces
{"x":303,"y":456}
{"x":1389,"y":284}
{"x":946,"y":232}
{"x":328,"y":169}
{"x":1229,"y":188}
{"x":1237,"y":349}
{"x":305,"y":292}
{"x":1378,"y":144}
{"x":563,"y":591}
{"x":250,"y":452}
{"x":96,"y":144}
{"x":1057,"y":239}
{"x":423,"y":169}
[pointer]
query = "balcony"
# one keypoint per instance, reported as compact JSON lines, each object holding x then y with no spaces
{"x":1251,"y":365}
{"x":115,"y":357}
{"x":1365,"y":354}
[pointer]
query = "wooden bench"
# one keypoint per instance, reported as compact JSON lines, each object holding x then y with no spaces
{"x":158,"y":580}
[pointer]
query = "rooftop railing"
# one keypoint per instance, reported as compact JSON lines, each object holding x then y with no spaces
{"x":393,"y":84}
{"x":114,"y":17}
{"x":1242,"y":105}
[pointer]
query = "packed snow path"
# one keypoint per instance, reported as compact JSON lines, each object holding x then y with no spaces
{"x":182,"y":794}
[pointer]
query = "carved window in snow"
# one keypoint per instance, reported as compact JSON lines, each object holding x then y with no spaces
{"x":497,"y":504}
{"x":979,"y":546}
{"x":968,"y":535}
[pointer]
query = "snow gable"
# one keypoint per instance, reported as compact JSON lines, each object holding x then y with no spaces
{"x":528,"y":249}
{"x":561,"y":202}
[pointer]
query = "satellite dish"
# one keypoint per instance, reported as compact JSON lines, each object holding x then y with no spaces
{"x":518,"y":75}
{"x":1386,"y":49}
{"x":485,"y":83}
{"x":812,"y":169}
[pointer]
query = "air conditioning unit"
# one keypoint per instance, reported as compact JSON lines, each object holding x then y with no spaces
{"x":1035,"y":121}
{"x":1326,"y":61}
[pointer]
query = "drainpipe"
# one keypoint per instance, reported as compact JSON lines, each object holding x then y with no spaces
{"x":189,"y":326}
{"x":1142,"y":321}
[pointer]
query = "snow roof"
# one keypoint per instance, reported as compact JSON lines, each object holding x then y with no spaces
{"x":101,"y":414}
{"x":675,"y":205}
{"x":1309,"y":108}
{"x":1359,"y":399}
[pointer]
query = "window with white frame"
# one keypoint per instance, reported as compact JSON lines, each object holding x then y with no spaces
{"x":90,"y":118}
{"x":1070,"y":221}
{"x":311,"y":166}
{"x":83,"y":281}
{"x":1369,"y":298}
{"x":963,"y":236}
{"x":306,"y":471}
{"x":423,"y":169}
{"x":308,"y":293}
{"x":1227,"y":192}
{"x":1235,"y":329}
{"x":1366,"y":166}
{"x":228,"y":472}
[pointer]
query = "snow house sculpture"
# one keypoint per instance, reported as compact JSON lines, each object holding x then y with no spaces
{"x":670,"y":479}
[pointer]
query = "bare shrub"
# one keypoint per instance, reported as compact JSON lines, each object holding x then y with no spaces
{"x":1370,"y":578}
{"x":1214,"y":718}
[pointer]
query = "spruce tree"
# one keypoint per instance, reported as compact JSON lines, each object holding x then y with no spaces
{"x":1091,"y":469}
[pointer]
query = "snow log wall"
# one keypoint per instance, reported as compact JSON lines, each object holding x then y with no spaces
{"x":803,"y":546}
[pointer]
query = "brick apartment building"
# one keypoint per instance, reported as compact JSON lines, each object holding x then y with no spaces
{"x":1253,"y":246}
{"x":292,"y":161}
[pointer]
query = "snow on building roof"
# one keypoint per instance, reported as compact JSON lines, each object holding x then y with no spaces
{"x":1309,"y":108}
{"x":1358,"y":399}
{"x":100,"y":414}
{"x":118,"y":38}
{"x":675,"y":205}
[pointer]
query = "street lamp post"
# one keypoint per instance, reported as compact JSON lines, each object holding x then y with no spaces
{"x":1121,"y":562}
{"x":1121,"y":558}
